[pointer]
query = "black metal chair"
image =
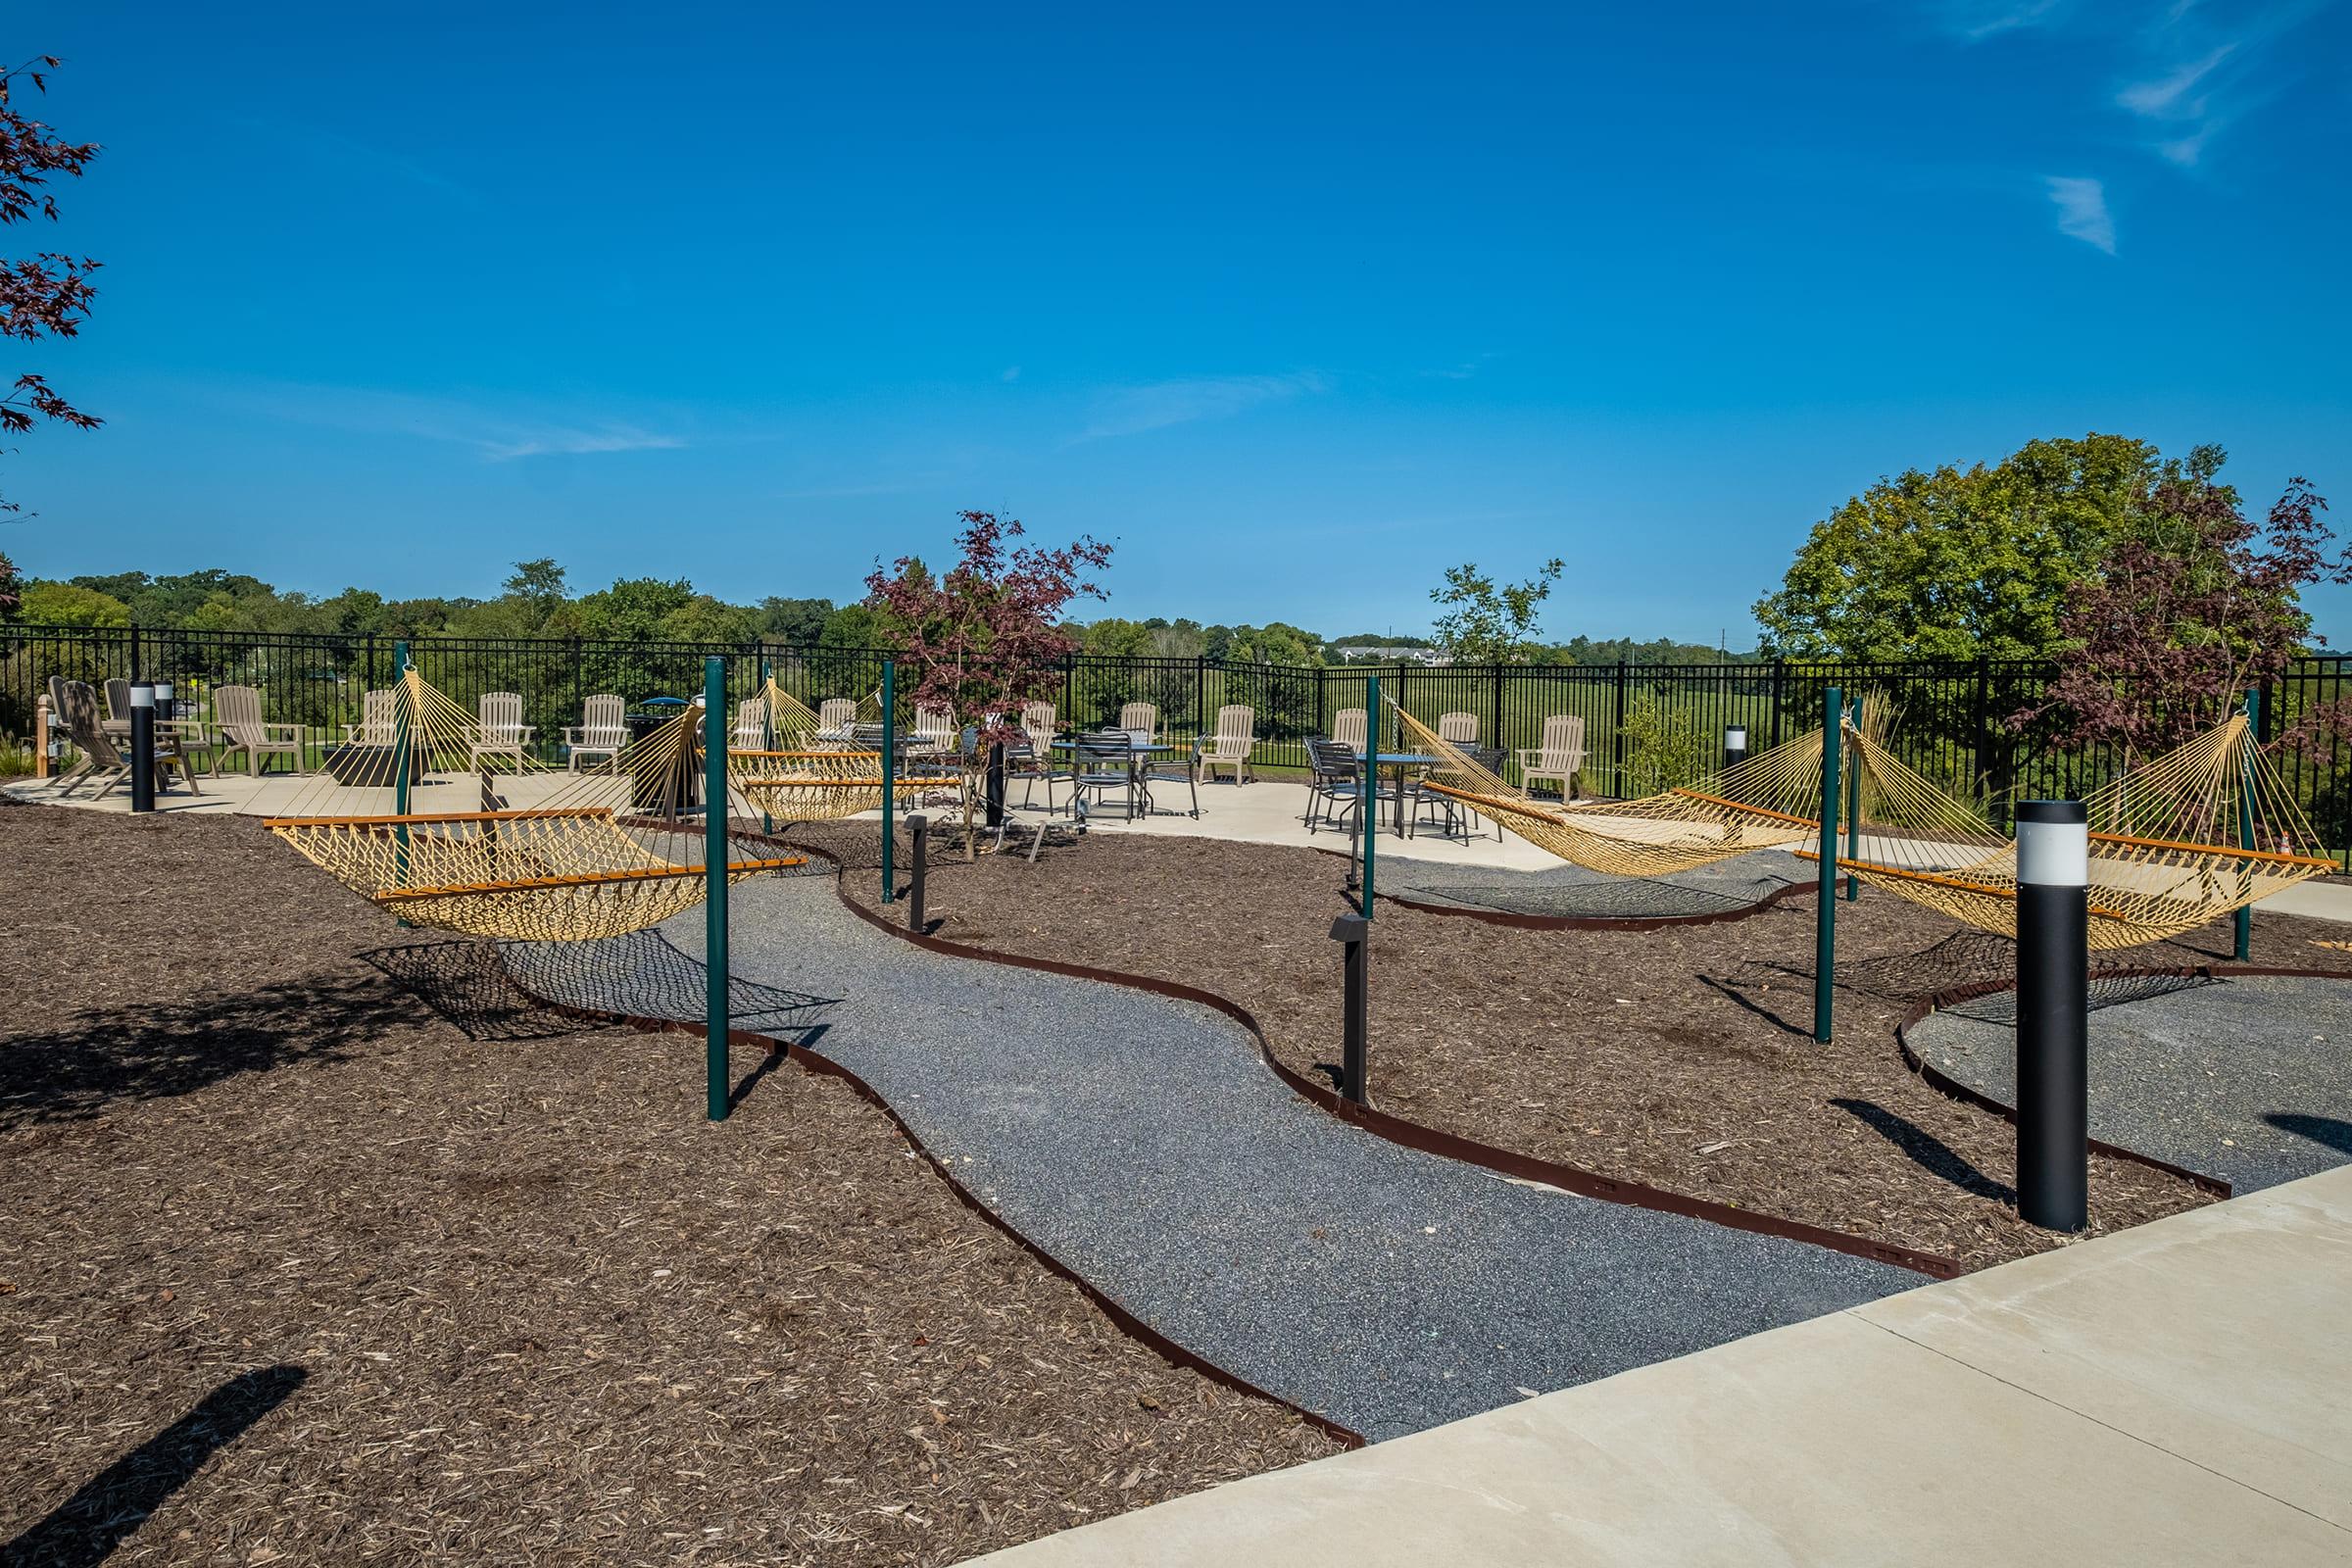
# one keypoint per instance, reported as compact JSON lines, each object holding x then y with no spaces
{"x":1101,"y":761}
{"x":1169,"y":767}
{"x":1335,"y":777}
{"x":1455,"y":816}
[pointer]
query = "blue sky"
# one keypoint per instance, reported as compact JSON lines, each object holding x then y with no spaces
{"x":1296,"y":305}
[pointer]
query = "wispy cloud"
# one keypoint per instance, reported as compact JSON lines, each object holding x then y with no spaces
{"x":1013,"y":373}
{"x":498,"y":433}
{"x":1987,"y":19}
{"x":1134,"y":409}
{"x":2082,"y":211}
{"x":2167,"y":97}
{"x":350,"y":158}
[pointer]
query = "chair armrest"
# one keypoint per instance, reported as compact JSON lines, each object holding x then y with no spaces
{"x":292,"y":731}
{"x":1529,"y":756}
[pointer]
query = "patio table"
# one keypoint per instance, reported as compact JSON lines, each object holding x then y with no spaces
{"x":1135,"y":760}
{"x":1398,"y":761}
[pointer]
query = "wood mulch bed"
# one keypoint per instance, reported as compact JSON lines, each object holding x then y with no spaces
{"x":1681,"y":1058}
{"x":292,"y":1268}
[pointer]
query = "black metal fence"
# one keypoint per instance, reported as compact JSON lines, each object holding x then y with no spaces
{"x":1646,"y":726}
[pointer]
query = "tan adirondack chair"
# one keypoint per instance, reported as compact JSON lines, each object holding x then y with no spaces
{"x":837,"y":718}
{"x":750,"y":725}
{"x":500,"y":730}
{"x":237,"y":716}
{"x":603,"y":730}
{"x":1458,"y":727}
{"x":74,"y":704}
{"x":934,"y":730}
{"x":1236,"y":738}
{"x":1141,"y":718}
{"x":380,"y":721}
{"x":1037,"y":721}
{"x":1559,"y":757}
{"x":1347,"y":728}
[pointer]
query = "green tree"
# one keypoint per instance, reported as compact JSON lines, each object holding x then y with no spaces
{"x":633,"y":608}
{"x":1274,"y":643}
{"x":1113,"y":638}
{"x":65,"y":603}
{"x":1490,"y":623}
{"x":537,"y":588}
{"x":1964,"y":564}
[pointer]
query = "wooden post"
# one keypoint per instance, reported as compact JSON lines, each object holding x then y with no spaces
{"x":40,"y":738}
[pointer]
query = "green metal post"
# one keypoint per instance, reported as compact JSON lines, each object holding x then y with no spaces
{"x":2246,"y":818}
{"x":716,"y":965}
{"x":768,"y":733}
{"x":1824,"y":929}
{"x":1853,"y":816}
{"x":400,"y":764}
{"x":1368,"y":808}
{"x":890,"y":758}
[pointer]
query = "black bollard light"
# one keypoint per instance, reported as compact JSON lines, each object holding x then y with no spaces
{"x":1354,"y":932}
{"x":142,"y":746}
{"x":918,"y":830}
{"x":996,"y":784}
{"x":1735,"y":745}
{"x":2053,"y":1014}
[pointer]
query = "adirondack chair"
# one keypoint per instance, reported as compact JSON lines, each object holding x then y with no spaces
{"x":1347,"y":728}
{"x":1458,"y":727}
{"x":935,"y":729}
{"x":237,"y":716}
{"x":1141,"y":720}
{"x":118,"y":709}
{"x":603,"y":730}
{"x":836,"y":718}
{"x":1236,"y":738}
{"x":1559,"y":757}
{"x":74,"y":704}
{"x":380,"y":721}
{"x":749,"y":733}
{"x":500,"y":730}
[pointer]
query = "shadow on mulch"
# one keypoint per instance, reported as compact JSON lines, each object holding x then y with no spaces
{"x":166,"y":1048}
{"x":104,"y":1510}
{"x":1927,"y":1151}
{"x":502,"y":990}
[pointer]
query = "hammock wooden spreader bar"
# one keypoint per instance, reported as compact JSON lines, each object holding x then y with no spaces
{"x":735,"y":869}
{"x":812,"y":784}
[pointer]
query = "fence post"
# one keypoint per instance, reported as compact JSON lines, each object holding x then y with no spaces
{"x":2244,"y":924}
{"x":1825,"y":922}
{"x":1495,"y":734}
{"x":1617,"y":739}
{"x":1199,"y":693}
{"x":1779,"y":681}
{"x":890,"y":757}
{"x":1853,"y":815}
{"x":1980,"y":721}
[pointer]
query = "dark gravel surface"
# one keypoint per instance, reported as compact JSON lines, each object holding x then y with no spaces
{"x":1143,"y":1142}
{"x":2246,"y":1079}
{"x":1571,"y":892}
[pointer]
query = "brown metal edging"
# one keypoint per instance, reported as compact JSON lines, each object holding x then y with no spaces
{"x":1430,"y":1140}
{"x":813,"y":1061}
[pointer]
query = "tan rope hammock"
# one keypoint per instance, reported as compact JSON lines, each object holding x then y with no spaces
{"x":2169,"y":841}
{"x":594,"y":853}
{"x":801,"y":779}
{"x":1759,"y":803}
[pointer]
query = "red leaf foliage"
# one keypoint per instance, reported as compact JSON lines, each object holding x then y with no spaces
{"x":47,"y":294}
{"x":985,"y":638}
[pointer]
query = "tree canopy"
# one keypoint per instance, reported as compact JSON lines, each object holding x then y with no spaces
{"x":1487,"y":622}
{"x":1975,"y":562}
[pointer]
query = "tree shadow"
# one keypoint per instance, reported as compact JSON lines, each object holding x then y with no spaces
{"x":1927,"y":1151}
{"x":2325,"y":1131}
{"x":104,"y":1510}
{"x":168,"y":1048}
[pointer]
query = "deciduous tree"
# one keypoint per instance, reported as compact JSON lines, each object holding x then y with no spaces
{"x":1489,"y":623}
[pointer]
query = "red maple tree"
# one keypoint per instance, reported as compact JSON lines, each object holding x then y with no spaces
{"x":985,"y":637}
{"x":46,"y":294}
{"x":2187,"y":613}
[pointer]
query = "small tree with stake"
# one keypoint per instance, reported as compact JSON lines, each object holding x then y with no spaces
{"x":2186,"y":611}
{"x":984,"y":638}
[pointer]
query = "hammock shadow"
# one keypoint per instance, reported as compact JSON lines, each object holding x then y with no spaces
{"x":2325,"y":1131}
{"x":163,"y":1048}
{"x":644,"y":975}
{"x":106,"y":1508}
{"x":1927,"y":1151}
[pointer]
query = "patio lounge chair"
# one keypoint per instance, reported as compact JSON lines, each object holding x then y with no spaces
{"x":74,"y":703}
{"x":749,"y":733}
{"x":1458,"y":727}
{"x":1236,"y":738}
{"x":380,"y":721}
{"x":836,"y":718}
{"x":603,"y":730}
{"x":1141,"y":720}
{"x":1560,"y":756}
{"x":501,"y":731}
{"x":237,"y":716}
{"x":934,"y":730}
{"x":1347,"y":728}
{"x":1032,"y":757}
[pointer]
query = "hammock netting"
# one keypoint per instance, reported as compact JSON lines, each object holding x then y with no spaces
{"x":2193,"y":835}
{"x":794,"y":776}
{"x":571,"y":856}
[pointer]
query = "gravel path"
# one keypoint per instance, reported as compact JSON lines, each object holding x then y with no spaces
{"x":2247,"y":1079}
{"x":1142,"y":1142}
{"x":1573,"y":893}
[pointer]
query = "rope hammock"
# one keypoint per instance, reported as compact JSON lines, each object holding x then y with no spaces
{"x":802,"y":779}
{"x":2200,"y":832}
{"x":1761,"y":802}
{"x":598,"y":852}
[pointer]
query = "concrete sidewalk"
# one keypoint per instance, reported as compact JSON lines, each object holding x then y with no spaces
{"x":2171,"y":1395}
